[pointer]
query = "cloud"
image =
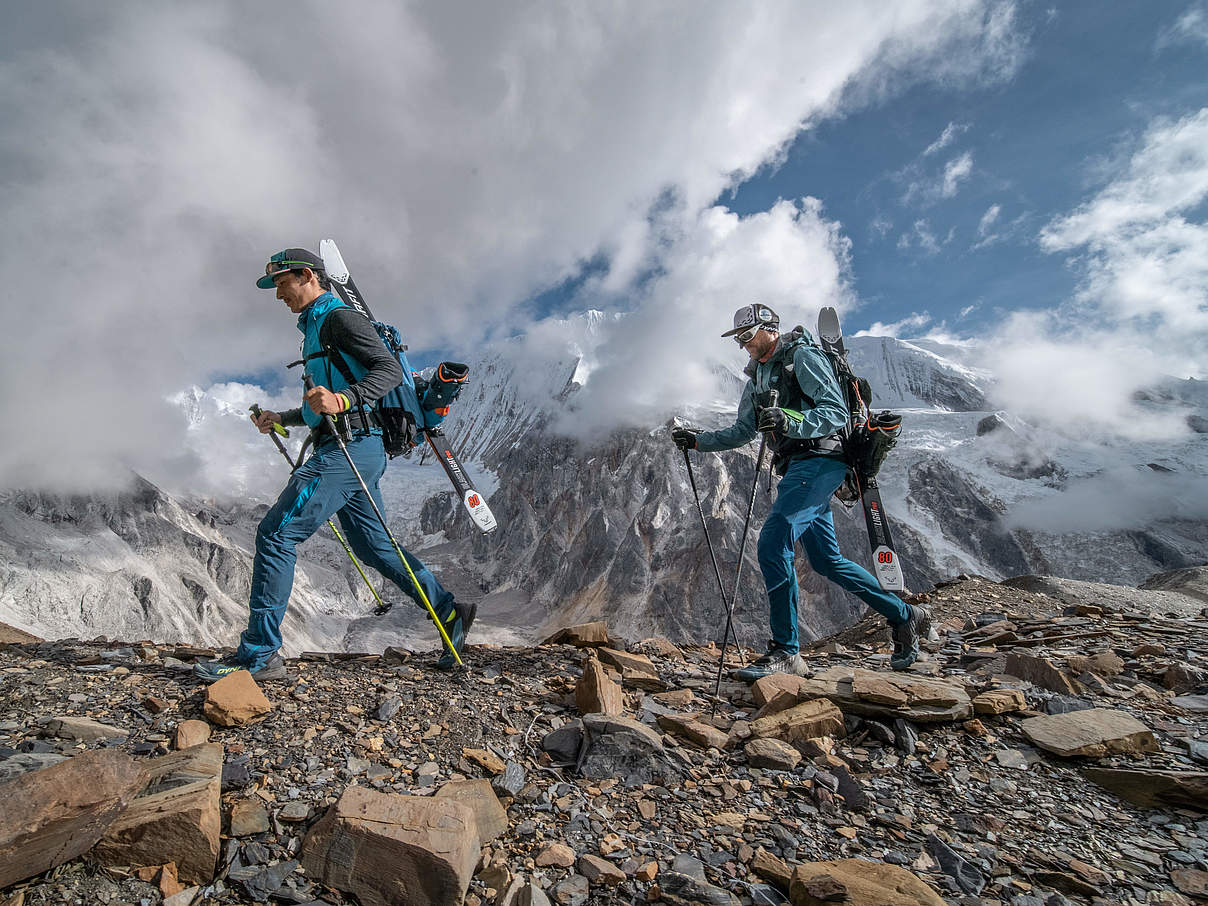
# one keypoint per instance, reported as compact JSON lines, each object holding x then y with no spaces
{"x":663,"y":356}
{"x":467,"y":157}
{"x":907,"y":325}
{"x":947,"y":137}
{"x":1191,"y":27}
{"x":1118,"y":499}
{"x":988,"y":219}
{"x":922,"y":237}
{"x":1141,"y":309}
{"x":956,"y":171}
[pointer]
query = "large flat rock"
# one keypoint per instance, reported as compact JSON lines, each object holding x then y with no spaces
{"x":177,"y":817}
{"x":55,"y":814}
{"x":385,"y":848}
{"x":1153,"y":788}
{"x":874,"y":694}
{"x":856,"y":882}
{"x":1091,"y":734}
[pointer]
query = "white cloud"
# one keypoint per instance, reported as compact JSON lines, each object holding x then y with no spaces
{"x":988,"y":220}
{"x":465,"y":157}
{"x":956,"y":171}
{"x":661,"y":357}
{"x":1192,"y":26}
{"x":946,"y":138}
{"x":908,"y":325}
{"x":921,"y":236}
{"x":1141,"y":310}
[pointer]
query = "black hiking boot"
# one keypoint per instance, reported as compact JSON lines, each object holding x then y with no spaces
{"x":777,"y":660}
{"x":906,"y":637}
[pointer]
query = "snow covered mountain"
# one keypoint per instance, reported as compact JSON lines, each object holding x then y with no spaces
{"x":606,"y":527}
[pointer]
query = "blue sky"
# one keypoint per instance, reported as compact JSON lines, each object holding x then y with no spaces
{"x":1095,"y":74}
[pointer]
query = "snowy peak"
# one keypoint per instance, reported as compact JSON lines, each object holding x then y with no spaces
{"x":918,"y":375}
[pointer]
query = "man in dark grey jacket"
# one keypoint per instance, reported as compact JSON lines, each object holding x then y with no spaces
{"x":346,"y":389}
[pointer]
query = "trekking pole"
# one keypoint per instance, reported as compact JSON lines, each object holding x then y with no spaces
{"x":742,"y":546}
{"x":279,"y":431}
{"x":309,"y":383}
{"x":709,"y":544}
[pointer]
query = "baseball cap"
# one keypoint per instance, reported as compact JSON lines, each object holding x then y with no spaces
{"x":288,"y":260}
{"x":754,"y":315}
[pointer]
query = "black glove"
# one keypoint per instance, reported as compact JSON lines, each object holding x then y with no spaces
{"x":684,"y":438}
{"x":772,"y":419}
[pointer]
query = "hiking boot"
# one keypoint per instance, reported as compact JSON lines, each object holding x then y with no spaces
{"x":906,"y":637}
{"x":270,"y":671}
{"x":777,"y":660}
{"x":457,"y":624}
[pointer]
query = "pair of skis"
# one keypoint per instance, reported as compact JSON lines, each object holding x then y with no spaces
{"x":885,"y":563}
{"x":474,"y":503}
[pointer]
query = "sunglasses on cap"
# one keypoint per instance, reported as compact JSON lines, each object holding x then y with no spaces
{"x":742,"y":339}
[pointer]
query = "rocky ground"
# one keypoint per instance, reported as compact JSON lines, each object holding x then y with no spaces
{"x":1051,"y":748}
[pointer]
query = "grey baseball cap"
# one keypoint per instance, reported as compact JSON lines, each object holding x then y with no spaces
{"x":754,"y":315}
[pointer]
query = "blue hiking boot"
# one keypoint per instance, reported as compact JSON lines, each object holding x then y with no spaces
{"x":457,"y":622}
{"x":270,"y":671}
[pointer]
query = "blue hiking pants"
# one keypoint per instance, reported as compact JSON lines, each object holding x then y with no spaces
{"x":802,"y":511}
{"x":322,"y":486}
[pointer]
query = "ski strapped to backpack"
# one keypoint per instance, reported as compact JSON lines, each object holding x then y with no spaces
{"x":866,"y":440}
{"x":414,"y":410}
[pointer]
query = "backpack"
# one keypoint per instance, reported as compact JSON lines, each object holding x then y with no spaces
{"x":869,"y":436}
{"x":417,"y":404}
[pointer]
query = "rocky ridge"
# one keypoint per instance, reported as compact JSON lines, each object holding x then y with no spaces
{"x":1046,"y":751}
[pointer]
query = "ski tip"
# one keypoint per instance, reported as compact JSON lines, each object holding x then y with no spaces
{"x":333,"y":261}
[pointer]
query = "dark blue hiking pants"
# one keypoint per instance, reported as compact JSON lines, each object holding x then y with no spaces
{"x":802,"y":512}
{"x":324,"y":486}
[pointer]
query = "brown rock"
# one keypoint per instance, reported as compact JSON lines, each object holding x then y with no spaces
{"x":1104,"y":663}
{"x":864,"y":883}
{"x":768,"y":687}
{"x":248,"y":816}
{"x":807,"y":720}
{"x":55,"y":814}
{"x":1041,"y":672}
{"x":596,"y":693}
{"x":600,"y":871}
{"x":781,"y":701}
{"x":485,"y":759}
{"x":192,"y":733}
{"x":1191,"y":881}
{"x":177,"y":818}
{"x":647,"y":872}
{"x":661,"y":647}
{"x":628,"y":662}
{"x":687,"y":726}
{"x":479,"y":798}
{"x":675,"y":698}
{"x":385,"y":849}
{"x":585,"y":635}
{"x":1093,"y":733}
{"x":1181,"y":678}
{"x":10,"y":635}
{"x":911,"y":697}
{"x":999,"y":701}
{"x":1152,"y":788}
{"x":557,"y":854}
{"x":772,"y":869}
{"x":772,"y":754}
{"x":235,"y":701}
{"x":1148,"y":649}
{"x":83,"y":729}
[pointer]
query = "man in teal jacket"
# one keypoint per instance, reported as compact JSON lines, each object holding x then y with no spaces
{"x":803,"y":433}
{"x":352,"y":369}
